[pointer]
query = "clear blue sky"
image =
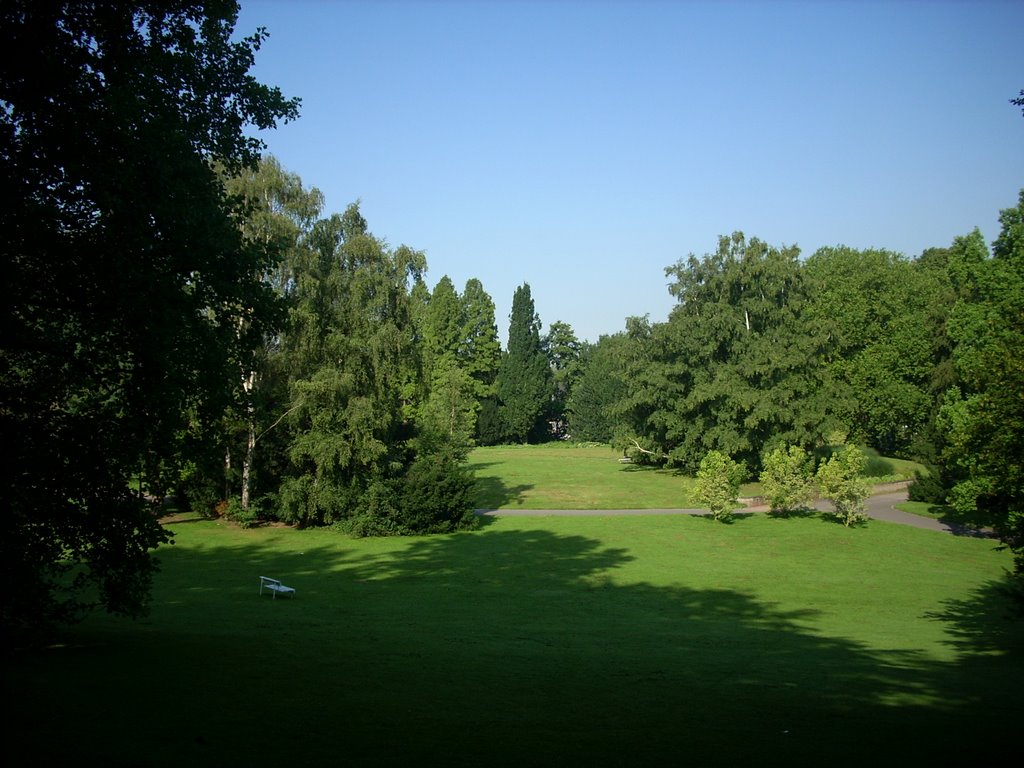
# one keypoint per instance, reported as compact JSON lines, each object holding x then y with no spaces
{"x":583,"y":147}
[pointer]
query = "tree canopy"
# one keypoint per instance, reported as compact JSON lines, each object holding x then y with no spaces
{"x":126,"y":278}
{"x":523,"y":383}
{"x":735,"y":369}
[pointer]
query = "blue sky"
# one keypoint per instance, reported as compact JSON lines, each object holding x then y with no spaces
{"x":583,"y":147}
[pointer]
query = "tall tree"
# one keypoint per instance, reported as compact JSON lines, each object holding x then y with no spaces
{"x":735,"y":368}
{"x":447,"y":420}
{"x":279,"y":213}
{"x":479,"y":350}
{"x":879,"y":313}
{"x":480,"y":357}
{"x":597,"y":390}
{"x":563,"y":352}
{"x":350,"y":349}
{"x":442,"y":323}
{"x":984,"y":419}
{"x":523,"y":381}
{"x":125,"y":278}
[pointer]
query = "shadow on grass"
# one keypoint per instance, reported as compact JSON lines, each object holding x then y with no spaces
{"x":646,"y":468}
{"x":492,"y":493}
{"x":800,"y":513}
{"x":963,"y":523}
{"x":499,"y":647}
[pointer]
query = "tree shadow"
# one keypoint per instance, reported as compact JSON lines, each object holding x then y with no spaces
{"x":975,"y":525}
{"x":505,"y":646}
{"x":990,"y":621}
{"x":800,"y":513}
{"x":493,"y":493}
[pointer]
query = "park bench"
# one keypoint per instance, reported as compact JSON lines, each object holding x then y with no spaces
{"x":275,"y":587}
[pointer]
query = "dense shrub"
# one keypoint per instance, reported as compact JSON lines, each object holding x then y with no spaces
{"x":928,"y":487}
{"x":199,"y":490}
{"x":841,"y":479}
{"x":246,"y":518}
{"x":718,"y":484}
{"x":436,"y":495}
{"x":787,"y":479}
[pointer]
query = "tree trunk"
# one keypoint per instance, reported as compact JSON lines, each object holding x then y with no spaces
{"x":248,"y":384}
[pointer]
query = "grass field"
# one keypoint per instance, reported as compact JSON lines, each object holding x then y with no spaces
{"x":947,"y":514}
{"x":568,"y":476}
{"x":542,"y":641}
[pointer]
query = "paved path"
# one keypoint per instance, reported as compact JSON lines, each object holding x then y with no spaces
{"x":879,"y":506}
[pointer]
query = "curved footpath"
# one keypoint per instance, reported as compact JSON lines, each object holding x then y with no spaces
{"x":879,"y":507}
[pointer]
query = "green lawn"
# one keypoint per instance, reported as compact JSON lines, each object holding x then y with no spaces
{"x":567,"y":476}
{"x":542,"y":641}
{"x":946,"y":514}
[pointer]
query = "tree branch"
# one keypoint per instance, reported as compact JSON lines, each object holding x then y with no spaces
{"x":279,"y":420}
{"x":644,"y":450}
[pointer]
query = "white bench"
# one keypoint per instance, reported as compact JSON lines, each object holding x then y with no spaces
{"x":275,"y":587}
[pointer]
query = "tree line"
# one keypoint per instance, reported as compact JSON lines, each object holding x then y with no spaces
{"x":765,"y":351}
{"x":359,"y":406}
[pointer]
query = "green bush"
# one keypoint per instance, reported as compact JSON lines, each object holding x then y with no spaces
{"x":718,"y":484}
{"x":198,"y":492}
{"x":841,"y":479}
{"x":436,"y":495}
{"x":875,"y":466}
{"x":928,"y":487}
{"x":786,"y":479}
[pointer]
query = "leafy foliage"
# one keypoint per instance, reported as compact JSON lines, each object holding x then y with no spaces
{"x":735,"y":368}
{"x":596,"y":391}
{"x":523,"y":384}
{"x":350,"y":350}
{"x":479,"y":351}
{"x":126,"y":279}
{"x":787,"y":478}
{"x":984,"y":419}
{"x":718,"y":484}
{"x":447,"y":420}
{"x":879,"y":314}
{"x":840,"y":480}
{"x":563,"y":353}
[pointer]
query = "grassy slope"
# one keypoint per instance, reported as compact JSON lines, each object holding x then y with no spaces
{"x":538,"y":641}
{"x":566,"y":476}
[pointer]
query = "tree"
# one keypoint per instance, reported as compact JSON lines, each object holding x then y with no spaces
{"x":786,"y":479}
{"x":839,"y":479}
{"x":447,"y":420}
{"x":279,"y":213}
{"x":523,"y":384}
{"x":597,"y":390}
{"x":442,"y":326}
{"x":883,"y":319}
{"x":479,"y":355}
{"x":735,"y":369}
{"x":479,"y":350}
{"x":350,"y":350}
{"x":984,"y":419}
{"x":125,"y":279}
{"x":562,"y":349}
{"x":718,"y":484}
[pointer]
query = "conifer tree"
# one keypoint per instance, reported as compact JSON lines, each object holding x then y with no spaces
{"x":523,"y":384}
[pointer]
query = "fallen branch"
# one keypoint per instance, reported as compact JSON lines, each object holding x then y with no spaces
{"x":644,"y":450}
